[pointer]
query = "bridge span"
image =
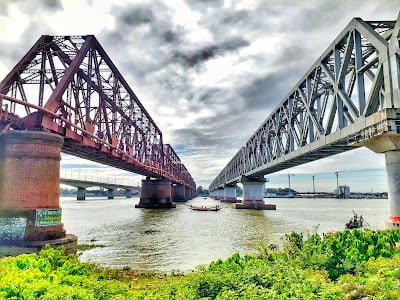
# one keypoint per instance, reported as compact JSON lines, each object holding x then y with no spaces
{"x":85,"y":181}
{"x":348,"y":98}
{"x":67,"y":95}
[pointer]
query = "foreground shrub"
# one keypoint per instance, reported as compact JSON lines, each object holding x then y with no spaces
{"x":346,"y":265}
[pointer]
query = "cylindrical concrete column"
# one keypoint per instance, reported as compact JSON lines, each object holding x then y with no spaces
{"x":229,"y":194}
{"x":219,"y":194}
{"x":253,"y":192}
{"x":188,"y":193}
{"x":389,"y":144}
{"x":110,"y":194}
{"x":179,"y":193}
{"x":155,"y":193}
{"x":81,"y":194}
{"x":392,"y":160}
{"x":253,"y":195}
{"x":128,"y":193}
{"x":30,"y":213}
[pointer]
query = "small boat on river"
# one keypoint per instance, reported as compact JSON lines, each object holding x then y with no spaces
{"x":355,"y":221}
{"x":205,"y":208}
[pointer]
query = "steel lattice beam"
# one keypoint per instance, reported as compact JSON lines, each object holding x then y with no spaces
{"x":349,"y":94}
{"x":69,"y":85}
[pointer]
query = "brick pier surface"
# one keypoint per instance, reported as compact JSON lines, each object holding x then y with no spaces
{"x":30,"y":213}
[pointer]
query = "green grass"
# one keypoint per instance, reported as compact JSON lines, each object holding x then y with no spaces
{"x":346,"y":265}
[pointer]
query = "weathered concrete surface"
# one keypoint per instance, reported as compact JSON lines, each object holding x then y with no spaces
{"x":390,"y":146}
{"x":81,"y":194}
{"x":69,"y":242}
{"x":253,"y":192}
{"x":179,"y":193}
{"x":29,"y":189}
{"x":230,"y":194}
{"x":156,"y":193}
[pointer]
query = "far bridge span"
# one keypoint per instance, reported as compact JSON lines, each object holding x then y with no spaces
{"x":349,"y":98}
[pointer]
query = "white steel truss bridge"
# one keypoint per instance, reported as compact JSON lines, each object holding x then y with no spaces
{"x":348,"y":98}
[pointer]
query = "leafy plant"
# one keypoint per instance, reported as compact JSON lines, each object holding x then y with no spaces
{"x":345,"y":265}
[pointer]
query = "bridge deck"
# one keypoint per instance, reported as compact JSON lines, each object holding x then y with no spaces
{"x":349,"y":95}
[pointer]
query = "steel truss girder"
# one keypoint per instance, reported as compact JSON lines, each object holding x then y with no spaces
{"x":69,"y":85}
{"x":356,"y":77}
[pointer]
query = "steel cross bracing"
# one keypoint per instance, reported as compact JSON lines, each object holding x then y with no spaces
{"x":69,"y":85}
{"x":350,"y":93}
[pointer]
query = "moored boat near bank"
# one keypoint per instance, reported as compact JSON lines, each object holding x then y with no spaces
{"x":205,"y":208}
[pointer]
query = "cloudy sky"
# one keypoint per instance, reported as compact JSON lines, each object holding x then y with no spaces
{"x":209,"y":72}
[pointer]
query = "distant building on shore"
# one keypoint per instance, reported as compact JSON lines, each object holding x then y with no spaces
{"x":342,"y":191}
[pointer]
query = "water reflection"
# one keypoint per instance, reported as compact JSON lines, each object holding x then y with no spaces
{"x":182,"y":239}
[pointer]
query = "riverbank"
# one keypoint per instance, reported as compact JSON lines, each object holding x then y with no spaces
{"x":346,"y":265}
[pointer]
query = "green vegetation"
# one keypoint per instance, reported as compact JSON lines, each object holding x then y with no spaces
{"x":84,"y":247}
{"x":280,"y":191}
{"x":346,"y":265}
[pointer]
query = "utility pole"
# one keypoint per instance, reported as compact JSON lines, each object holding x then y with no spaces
{"x":313,"y":183}
{"x":337,"y":179}
{"x":288,"y":174}
{"x":337,"y":182}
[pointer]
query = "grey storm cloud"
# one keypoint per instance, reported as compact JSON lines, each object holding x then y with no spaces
{"x":31,"y":6}
{"x":239,"y":109}
{"x":137,"y":15}
{"x":11,"y":53}
{"x":166,"y":61}
{"x":198,"y":56}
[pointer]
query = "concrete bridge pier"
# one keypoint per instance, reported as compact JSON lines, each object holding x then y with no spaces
{"x":253,"y":194}
{"x":110,"y":193}
{"x":179,"y":193}
{"x":219,"y":194}
{"x":30,"y":213}
{"x":390,"y":146}
{"x":156,"y":193}
{"x":188,"y":193}
{"x":229,"y":194}
{"x":128,"y":193}
{"x":81,"y":194}
{"x":392,"y":161}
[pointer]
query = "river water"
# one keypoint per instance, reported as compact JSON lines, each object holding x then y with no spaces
{"x":180,"y":239}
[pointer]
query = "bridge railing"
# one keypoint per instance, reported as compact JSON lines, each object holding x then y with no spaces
{"x":356,"y":77}
{"x":98,"y":178}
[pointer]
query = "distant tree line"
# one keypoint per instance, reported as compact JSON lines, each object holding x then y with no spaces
{"x":280,"y":191}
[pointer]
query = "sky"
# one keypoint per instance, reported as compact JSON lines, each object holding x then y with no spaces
{"x":208,"y":72}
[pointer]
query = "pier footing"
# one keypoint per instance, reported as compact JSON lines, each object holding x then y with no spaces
{"x":30,"y":213}
{"x":156,"y":193}
{"x":390,"y":146}
{"x":253,"y":191}
{"x":230,"y":194}
{"x":69,"y":242}
{"x":81,"y":194}
{"x":259,"y":205}
{"x":179,"y":194}
{"x":231,"y":200}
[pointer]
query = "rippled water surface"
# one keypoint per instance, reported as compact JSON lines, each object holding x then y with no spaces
{"x":180,"y":239}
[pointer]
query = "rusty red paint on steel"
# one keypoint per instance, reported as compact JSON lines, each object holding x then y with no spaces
{"x":76,"y":91}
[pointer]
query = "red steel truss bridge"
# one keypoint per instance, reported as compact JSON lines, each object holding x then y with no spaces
{"x":68,"y":85}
